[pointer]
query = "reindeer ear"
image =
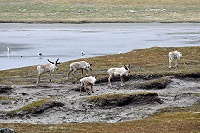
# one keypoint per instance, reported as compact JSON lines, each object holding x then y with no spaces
{"x":125,"y":67}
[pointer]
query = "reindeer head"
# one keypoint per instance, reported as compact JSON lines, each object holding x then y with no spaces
{"x":127,"y":67}
{"x":89,"y":66}
{"x":54,"y":65}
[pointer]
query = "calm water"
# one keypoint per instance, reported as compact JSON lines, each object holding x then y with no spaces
{"x":66,"y":41}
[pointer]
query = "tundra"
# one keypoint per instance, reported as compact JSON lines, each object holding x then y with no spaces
{"x":47,"y":68}
{"x":87,"y":81}
{"x":123,"y":71}
{"x":83,"y":65}
{"x":175,"y":55}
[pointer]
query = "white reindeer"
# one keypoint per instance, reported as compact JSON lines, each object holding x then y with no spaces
{"x":123,"y":71}
{"x":87,"y":81}
{"x":175,"y":55}
{"x":83,"y":65}
{"x":47,"y":68}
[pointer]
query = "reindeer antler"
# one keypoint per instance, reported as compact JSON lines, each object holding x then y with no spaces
{"x":50,"y":61}
{"x":57,"y":61}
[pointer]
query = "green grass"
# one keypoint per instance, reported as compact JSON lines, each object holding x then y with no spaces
{"x":82,"y":11}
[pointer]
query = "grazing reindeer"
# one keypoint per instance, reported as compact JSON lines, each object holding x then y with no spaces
{"x":47,"y":68}
{"x":88,"y":81}
{"x":123,"y":71}
{"x":175,"y":55}
{"x":83,"y":65}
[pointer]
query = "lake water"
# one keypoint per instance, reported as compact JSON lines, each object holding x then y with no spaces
{"x":66,"y":41}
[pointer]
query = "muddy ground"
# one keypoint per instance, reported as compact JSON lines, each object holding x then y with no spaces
{"x":179,"y":92}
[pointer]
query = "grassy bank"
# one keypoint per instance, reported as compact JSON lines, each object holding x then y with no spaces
{"x":84,"y":11}
{"x":144,"y":62}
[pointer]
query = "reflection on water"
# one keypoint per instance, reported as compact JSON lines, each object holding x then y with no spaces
{"x":67,"y":41}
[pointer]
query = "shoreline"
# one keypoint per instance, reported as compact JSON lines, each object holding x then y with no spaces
{"x":93,"y":22}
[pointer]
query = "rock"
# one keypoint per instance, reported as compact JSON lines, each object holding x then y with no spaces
{"x":5,"y":89}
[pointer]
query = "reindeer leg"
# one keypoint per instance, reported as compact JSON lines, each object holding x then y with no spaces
{"x":170,"y":62}
{"x":38,"y":79}
{"x":81,"y":72}
{"x":122,"y":80}
{"x":86,"y":72}
{"x":81,"y":88}
{"x":68,"y":73}
{"x":176,"y":65}
{"x":92,"y":88}
{"x":49,"y":77}
{"x":87,"y":90}
{"x":73,"y":73}
{"x":109,"y":83}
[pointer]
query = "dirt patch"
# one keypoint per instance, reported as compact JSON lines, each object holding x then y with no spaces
{"x":126,"y":102}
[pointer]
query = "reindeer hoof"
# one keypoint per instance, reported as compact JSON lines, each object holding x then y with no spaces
{"x":122,"y":84}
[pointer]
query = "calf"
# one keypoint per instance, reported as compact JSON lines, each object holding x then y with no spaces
{"x":175,"y":55}
{"x":47,"y":68}
{"x":87,"y":81}
{"x":83,"y":65}
{"x":123,"y":71}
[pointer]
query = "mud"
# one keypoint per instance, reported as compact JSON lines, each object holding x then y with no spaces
{"x":179,"y":92}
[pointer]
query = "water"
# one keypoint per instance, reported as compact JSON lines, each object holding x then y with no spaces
{"x":66,"y":41}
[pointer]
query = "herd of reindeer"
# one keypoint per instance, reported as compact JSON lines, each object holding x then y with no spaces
{"x":90,"y":80}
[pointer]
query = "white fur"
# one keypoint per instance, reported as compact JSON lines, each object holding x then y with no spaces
{"x":175,"y":55}
{"x":83,"y":65}
{"x":123,"y":71}
{"x":87,"y":81}
{"x":47,"y":68}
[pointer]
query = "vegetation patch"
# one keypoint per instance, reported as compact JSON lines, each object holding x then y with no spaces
{"x":85,"y":11}
{"x":159,"y":83}
{"x":6,"y":98}
{"x":34,"y":108}
{"x":113,"y":100}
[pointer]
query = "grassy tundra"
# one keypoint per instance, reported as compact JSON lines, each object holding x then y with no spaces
{"x":83,"y":11}
{"x":143,"y":63}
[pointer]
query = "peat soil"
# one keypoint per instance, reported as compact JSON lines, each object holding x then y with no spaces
{"x":179,"y":92}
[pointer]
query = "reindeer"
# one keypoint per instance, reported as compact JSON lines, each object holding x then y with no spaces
{"x":175,"y":55}
{"x":47,"y":68}
{"x":87,"y":81}
{"x":83,"y":65}
{"x":123,"y":71}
